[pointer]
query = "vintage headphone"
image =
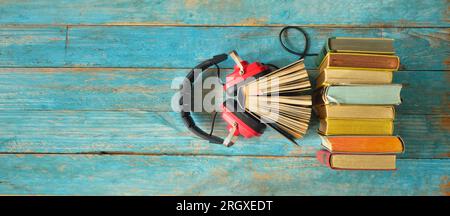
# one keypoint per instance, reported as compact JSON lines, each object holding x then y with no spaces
{"x":239,"y":121}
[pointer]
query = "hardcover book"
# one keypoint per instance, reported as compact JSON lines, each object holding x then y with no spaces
{"x":356,"y":126}
{"x":359,"y":94}
{"x":356,"y":161}
{"x":357,"y":45}
{"x":363,"y":144}
{"x":360,"y":61}
{"x":354,"y":111}
{"x":349,"y":76}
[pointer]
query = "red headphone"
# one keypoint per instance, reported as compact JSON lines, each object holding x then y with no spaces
{"x":239,"y":121}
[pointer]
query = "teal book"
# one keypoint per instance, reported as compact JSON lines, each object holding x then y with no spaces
{"x":359,"y":94}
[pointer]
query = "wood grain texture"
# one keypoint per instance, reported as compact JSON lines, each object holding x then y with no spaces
{"x":211,"y":175}
{"x":404,"y":13}
{"x":137,"y":93}
{"x":114,"y":89}
{"x":85,"y":96}
{"x":33,"y":47}
{"x":426,"y":136}
{"x":183,"y":47}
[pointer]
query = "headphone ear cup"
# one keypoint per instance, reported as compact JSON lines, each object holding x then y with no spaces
{"x":249,"y":126}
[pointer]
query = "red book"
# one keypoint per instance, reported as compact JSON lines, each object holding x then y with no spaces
{"x":323,"y":156}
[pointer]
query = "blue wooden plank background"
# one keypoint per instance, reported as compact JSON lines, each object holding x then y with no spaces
{"x":85,"y":96}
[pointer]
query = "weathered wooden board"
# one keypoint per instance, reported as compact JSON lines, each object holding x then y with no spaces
{"x":83,"y":78}
{"x":426,"y":136}
{"x":211,"y":175}
{"x":87,"y":89}
{"x":183,"y":47}
{"x":424,"y":92}
{"x":32,"y":46}
{"x":229,"y":12}
{"x":67,"y":91}
{"x":428,"y":46}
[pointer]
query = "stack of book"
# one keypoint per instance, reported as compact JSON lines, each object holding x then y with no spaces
{"x":354,"y":99}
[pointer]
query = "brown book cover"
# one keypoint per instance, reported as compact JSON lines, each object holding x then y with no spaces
{"x":360,"y":61}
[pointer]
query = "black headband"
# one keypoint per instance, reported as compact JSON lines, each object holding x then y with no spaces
{"x":186,"y":115}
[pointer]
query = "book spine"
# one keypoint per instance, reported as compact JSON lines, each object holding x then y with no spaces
{"x":367,"y":169}
{"x":323,"y":52}
{"x":364,"y":61}
{"x":388,"y":94}
{"x":365,"y":146}
{"x":356,"y":127}
{"x":403,"y":144}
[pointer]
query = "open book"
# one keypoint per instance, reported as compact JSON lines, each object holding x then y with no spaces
{"x":279,"y":100}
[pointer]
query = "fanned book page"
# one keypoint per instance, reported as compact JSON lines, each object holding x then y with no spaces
{"x":279,"y":99}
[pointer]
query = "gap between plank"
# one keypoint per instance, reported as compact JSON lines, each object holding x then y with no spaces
{"x":112,"y":153}
{"x":89,"y":69}
{"x":159,"y":111}
{"x":216,"y":25}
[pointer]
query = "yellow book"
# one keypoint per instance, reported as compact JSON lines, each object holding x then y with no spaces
{"x":363,"y":162}
{"x":354,"y":161}
{"x":356,"y":126}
